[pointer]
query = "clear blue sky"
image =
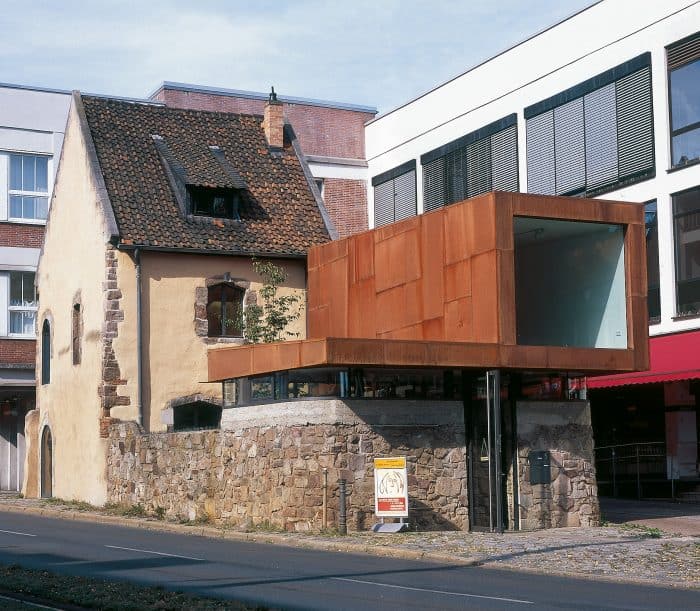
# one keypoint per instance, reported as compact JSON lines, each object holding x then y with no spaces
{"x":374,"y":52}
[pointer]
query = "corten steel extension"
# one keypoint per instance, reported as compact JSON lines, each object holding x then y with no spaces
{"x":438,"y":290}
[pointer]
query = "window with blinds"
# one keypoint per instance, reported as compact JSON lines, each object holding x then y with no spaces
{"x":683,"y":60}
{"x":395,"y":194}
{"x":594,"y":137}
{"x":482,"y":161}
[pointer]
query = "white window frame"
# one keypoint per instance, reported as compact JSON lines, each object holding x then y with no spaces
{"x":20,"y":308}
{"x":21,"y":192}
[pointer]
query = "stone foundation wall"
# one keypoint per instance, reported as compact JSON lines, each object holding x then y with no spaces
{"x":266,"y":464}
{"x":571,"y":499}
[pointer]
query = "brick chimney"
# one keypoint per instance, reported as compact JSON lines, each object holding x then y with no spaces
{"x":273,"y":123}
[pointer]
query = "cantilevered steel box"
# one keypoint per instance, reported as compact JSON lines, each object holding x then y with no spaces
{"x":503,"y":280}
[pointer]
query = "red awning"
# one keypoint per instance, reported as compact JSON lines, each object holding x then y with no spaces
{"x":671,"y":357}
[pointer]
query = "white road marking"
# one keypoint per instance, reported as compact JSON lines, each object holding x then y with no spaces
{"x":29,"y":604}
{"x":391,"y":585}
{"x":12,"y":532}
{"x":148,"y":551}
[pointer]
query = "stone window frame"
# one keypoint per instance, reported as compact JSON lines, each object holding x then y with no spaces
{"x":168,"y":412}
{"x":76,"y":326}
{"x":201,"y":323}
{"x":46,"y":336}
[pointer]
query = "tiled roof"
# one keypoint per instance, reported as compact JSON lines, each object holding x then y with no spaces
{"x":279,"y":214}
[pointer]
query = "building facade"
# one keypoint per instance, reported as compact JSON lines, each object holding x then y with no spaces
{"x":605,"y":104}
{"x":171,"y":215}
{"x":32,"y":125}
{"x":331,"y":136}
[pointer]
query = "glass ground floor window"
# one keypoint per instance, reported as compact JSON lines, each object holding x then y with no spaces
{"x":686,"y":222}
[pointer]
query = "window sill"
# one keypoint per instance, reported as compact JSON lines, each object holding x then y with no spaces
{"x":678,"y":168}
{"x":26,"y":337}
{"x":16,"y":221}
{"x":686,"y":316}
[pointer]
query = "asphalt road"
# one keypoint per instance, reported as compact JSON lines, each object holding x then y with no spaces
{"x":294,"y":578}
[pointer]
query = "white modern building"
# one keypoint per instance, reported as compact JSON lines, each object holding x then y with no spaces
{"x":32,"y":124}
{"x":603,"y":104}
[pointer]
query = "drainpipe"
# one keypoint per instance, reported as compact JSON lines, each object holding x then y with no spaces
{"x":139,"y":341}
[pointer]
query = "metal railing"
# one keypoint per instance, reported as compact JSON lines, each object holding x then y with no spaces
{"x":632,"y":465}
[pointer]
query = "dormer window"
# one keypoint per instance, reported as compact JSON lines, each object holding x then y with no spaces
{"x":218,"y":203}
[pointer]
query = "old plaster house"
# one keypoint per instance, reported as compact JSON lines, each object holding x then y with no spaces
{"x":156,"y":216}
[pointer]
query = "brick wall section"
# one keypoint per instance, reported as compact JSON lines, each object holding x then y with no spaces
{"x":18,"y":351}
{"x":346,"y":202}
{"x":329,"y":132}
{"x":21,"y":235}
{"x":108,"y":390}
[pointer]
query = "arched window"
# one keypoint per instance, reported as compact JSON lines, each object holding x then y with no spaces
{"x":225,"y":310}
{"x":45,"y":352}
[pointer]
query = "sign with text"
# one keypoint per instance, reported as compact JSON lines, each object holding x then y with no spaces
{"x":390,"y":487}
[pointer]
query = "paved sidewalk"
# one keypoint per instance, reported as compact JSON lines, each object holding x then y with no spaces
{"x":619,"y":552}
{"x":681,"y":518}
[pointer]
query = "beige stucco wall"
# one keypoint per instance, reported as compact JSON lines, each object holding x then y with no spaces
{"x":175,"y":358}
{"x":72,"y":263}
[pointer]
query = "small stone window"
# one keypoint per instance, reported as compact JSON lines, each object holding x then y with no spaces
{"x":225,"y":310}
{"x":46,"y":352}
{"x":196,"y":415}
{"x":76,"y":333}
{"x":218,"y":203}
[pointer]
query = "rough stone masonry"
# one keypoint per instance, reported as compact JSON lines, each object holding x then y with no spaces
{"x":265,"y":466}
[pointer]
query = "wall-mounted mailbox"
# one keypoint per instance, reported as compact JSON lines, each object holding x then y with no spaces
{"x":540,"y":472}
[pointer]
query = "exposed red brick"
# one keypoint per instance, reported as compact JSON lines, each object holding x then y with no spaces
{"x":20,"y":351}
{"x":21,"y":235}
{"x":346,"y":202}
{"x":328,"y":132}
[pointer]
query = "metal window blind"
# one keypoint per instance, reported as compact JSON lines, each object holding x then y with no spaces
{"x":601,"y":137}
{"x":595,"y":141}
{"x":434,"y":184}
{"x":395,"y":199}
{"x":684,"y":52}
{"x":478,"y":167}
{"x":540,"y":154}
{"x":569,"y":147}
{"x":635,"y":126}
{"x":384,"y":203}
{"x":405,"y":195}
{"x":504,"y":160}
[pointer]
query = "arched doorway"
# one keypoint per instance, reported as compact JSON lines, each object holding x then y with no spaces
{"x":46,"y":464}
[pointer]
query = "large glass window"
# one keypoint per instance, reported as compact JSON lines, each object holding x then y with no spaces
{"x":594,"y":137}
{"x":686,"y":221}
{"x":653,"y":283}
{"x":29,"y":187}
{"x":23,"y":303}
{"x":684,"y":78}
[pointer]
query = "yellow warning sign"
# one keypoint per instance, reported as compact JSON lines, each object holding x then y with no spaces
{"x":398,"y":462}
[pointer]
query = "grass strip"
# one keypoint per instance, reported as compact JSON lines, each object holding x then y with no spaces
{"x":91,"y":593}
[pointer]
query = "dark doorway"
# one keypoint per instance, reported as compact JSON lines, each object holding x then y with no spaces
{"x":46,"y":464}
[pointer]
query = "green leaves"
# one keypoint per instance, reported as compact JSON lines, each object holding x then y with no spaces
{"x":267,"y":320}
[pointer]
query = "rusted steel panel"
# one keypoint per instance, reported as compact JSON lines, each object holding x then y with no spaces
{"x":444,"y":281}
{"x":459,"y":320}
{"x":458,"y":280}
{"x":432,"y":257}
{"x":485,"y":304}
{"x":506,"y":292}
